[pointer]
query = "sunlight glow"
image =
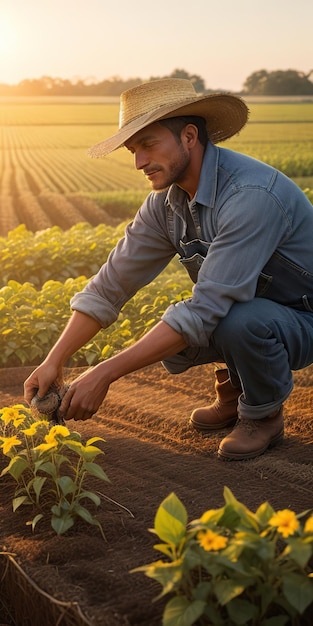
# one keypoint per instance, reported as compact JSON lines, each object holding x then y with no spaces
{"x":8,"y":36}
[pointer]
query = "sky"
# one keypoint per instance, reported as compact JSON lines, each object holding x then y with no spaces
{"x":223,"y":41}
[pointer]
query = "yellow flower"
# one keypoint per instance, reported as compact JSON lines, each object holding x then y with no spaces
{"x":211,"y":541}
{"x":32,"y":430}
{"x":206,"y":517}
{"x":57,"y":430}
{"x":308,"y":526}
{"x":51,"y":442}
{"x":285,"y":521}
{"x":51,"y":437}
{"x":8,"y":443}
{"x":18,"y":420}
{"x":9,"y":414}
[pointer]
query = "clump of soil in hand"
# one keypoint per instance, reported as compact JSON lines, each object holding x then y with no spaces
{"x":50,"y":403}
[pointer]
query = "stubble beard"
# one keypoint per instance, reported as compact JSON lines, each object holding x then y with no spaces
{"x":175,"y":173}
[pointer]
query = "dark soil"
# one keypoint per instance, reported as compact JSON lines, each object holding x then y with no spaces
{"x":150,"y":451}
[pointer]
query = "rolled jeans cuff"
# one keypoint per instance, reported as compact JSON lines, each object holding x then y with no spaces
{"x":262,"y":410}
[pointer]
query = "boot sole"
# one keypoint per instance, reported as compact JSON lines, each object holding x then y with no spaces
{"x":240,"y":456}
{"x":207,"y":428}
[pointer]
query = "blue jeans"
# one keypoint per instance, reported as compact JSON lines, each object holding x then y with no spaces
{"x":261,"y":342}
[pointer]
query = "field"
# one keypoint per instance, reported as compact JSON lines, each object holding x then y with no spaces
{"x":48,"y":179}
{"x":60,"y":214}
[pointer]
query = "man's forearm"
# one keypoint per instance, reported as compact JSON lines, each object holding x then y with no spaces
{"x":158,"y":344}
{"x":79,"y":330}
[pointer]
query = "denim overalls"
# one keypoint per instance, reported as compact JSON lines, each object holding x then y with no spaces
{"x":255,"y":338}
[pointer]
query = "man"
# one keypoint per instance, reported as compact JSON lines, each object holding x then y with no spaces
{"x":243,"y":231}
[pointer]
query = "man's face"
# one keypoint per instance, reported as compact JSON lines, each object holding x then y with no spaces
{"x":160,"y":156}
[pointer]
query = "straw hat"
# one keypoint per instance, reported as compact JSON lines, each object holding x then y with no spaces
{"x":140,"y":106}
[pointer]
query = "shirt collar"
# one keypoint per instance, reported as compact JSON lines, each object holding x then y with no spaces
{"x":206,"y":193}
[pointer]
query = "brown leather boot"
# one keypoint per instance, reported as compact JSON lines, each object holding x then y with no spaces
{"x":223,"y":412}
{"x":250,"y":438}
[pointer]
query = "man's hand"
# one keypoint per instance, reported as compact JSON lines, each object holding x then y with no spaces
{"x":80,"y":329}
{"x":41,"y":380}
{"x":85,"y":394}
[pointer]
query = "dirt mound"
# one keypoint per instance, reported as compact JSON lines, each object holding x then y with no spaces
{"x":150,"y":451}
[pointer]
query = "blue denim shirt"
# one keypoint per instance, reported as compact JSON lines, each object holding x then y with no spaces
{"x":251,"y":233}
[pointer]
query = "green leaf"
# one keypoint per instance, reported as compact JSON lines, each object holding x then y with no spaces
{"x":171,"y":520}
{"x":17,"y":502}
{"x":180,"y":612}
{"x":91,"y":496}
{"x":67,"y":485}
{"x":164,"y":548}
{"x":34,"y":521}
{"x":56,"y":510}
{"x":61,"y":524}
{"x":298,"y":551}
{"x":96,"y":470}
{"x":226,"y":590}
{"x":267,"y":594}
{"x":264,"y":513}
{"x":169,"y":575}
{"x":241,"y":612}
{"x":75,"y":446}
{"x":193,"y":559}
{"x":89,"y":442}
{"x":245,"y":514}
{"x":202,"y":591}
{"x":38,"y":484}
{"x":87,"y":517}
{"x":82,"y":512}
{"x":89,"y":453}
{"x":230,"y":517}
{"x":46,"y":466}
{"x":298,"y":590}
{"x":16,"y":467}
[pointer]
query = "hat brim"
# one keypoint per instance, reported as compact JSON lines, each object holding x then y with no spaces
{"x":225,"y":116}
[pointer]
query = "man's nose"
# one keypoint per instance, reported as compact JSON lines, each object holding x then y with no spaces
{"x":140,"y":159}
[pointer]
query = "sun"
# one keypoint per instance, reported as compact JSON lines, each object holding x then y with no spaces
{"x":8,"y":36}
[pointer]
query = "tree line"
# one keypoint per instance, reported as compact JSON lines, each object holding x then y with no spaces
{"x":260,"y":83}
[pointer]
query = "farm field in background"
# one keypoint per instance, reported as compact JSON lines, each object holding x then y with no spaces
{"x":47,"y":178}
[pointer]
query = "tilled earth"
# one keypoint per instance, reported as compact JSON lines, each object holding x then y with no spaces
{"x":150,"y":451}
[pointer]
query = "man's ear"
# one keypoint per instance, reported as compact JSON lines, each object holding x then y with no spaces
{"x":190,"y":135}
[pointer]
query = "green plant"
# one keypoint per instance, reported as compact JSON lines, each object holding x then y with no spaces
{"x":31,"y":320}
{"x":50,"y":466}
{"x":233,"y":566}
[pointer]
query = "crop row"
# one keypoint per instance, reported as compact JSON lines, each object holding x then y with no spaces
{"x":41,"y":212}
{"x":63,"y":169}
{"x":31,"y":320}
{"x":52,"y":209}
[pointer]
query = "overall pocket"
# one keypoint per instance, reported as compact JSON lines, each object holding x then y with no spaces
{"x":195,"y":252}
{"x":287,"y":283}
